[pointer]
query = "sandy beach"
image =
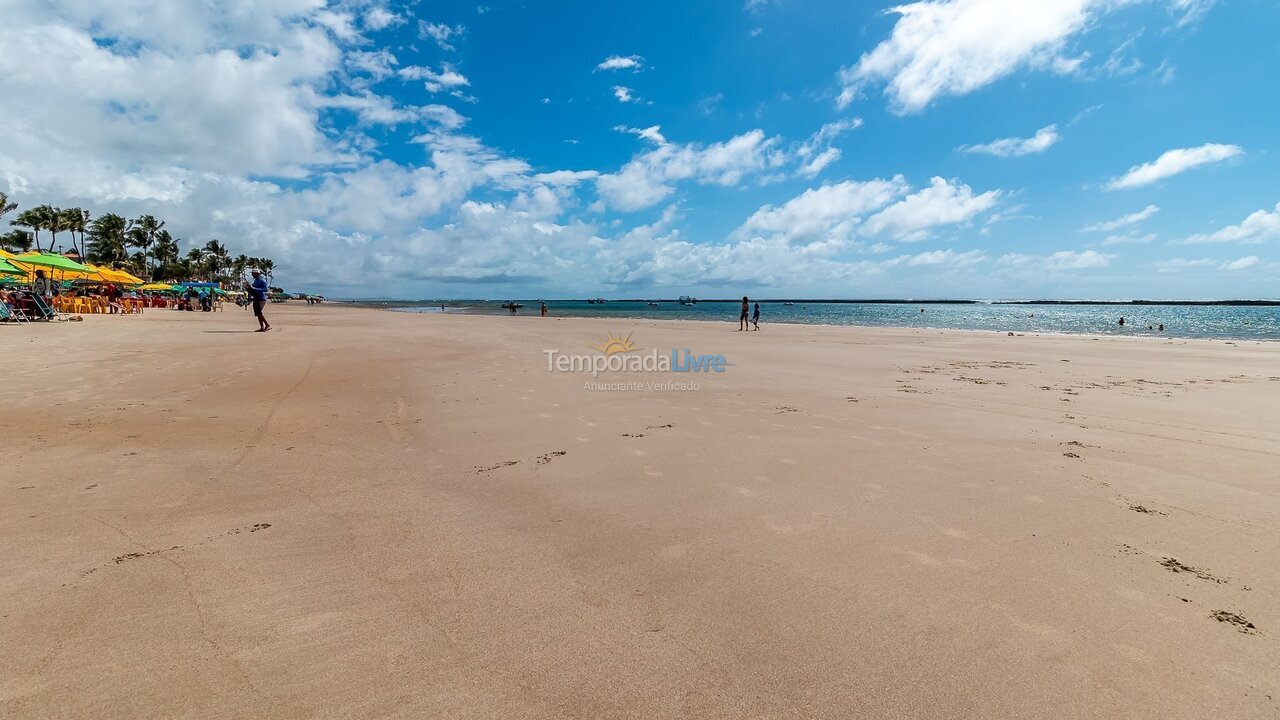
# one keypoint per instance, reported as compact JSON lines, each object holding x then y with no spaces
{"x":368,"y":514}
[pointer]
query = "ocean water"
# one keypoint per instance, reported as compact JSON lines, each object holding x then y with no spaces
{"x":1192,"y":321}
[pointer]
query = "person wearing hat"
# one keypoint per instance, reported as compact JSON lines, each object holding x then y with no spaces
{"x":258,"y":294}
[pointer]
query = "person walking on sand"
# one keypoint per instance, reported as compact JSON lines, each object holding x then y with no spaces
{"x":755,"y":316}
{"x":544,"y":309}
{"x":746,"y":310}
{"x":258,"y":294}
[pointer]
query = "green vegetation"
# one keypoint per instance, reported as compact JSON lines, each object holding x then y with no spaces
{"x":141,"y":246}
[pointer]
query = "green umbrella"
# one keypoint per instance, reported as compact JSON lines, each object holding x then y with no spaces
{"x":8,"y":268}
{"x":50,"y":260}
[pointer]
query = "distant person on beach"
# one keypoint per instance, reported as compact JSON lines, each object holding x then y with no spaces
{"x":1160,"y":327}
{"x":544,"y":310}
{"x":746,"y":310}
{"x":755,"y":316}
{"x":1121,"y":322}
{"x":258,"y":294}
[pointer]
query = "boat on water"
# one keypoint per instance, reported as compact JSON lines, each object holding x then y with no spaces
{"x":653,"y":304}
{"x":686,"y":300}
{"x":789,"y":303}
{"x":512,"y":305}
{"x":596,"y":301}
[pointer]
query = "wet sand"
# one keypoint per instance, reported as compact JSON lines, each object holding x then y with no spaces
{"x":372,"y":514}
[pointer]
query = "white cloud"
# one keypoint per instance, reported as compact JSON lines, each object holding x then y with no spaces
{"x":380,"y":18}
{"x":378,"y":65}
{"x":648,"y":178}
{"x":442,"y":34}
{"x":1127,"y":220}
{"x":623,"y":94}
{"x":824,"y":214}
{"x":1174,"y":162}
{"x":634,"y":63}
{"x":953,"y":47}
{"x":566,"y":177}
{"x":833,"y":217}
{"x":942,"y":48}
{"x":942,"y":203}
{"x":1181,"y":264}
{"x":1256,"y":228}
{"x":1191,"y":11}
{"x":950,"y":258}
{"x":1240,"y":264}
{"x":446,"y":79}
{"x":1044,"y":138}
{"x":653,"y":133}
{"x":1058,"y":261}
{"x":1128,"y":239}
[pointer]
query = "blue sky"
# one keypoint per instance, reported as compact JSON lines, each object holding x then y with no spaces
{"x":960,"y":148}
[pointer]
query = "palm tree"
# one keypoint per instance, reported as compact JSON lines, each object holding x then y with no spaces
{"x":216,"y":256}
{"x":166,"y":248}
{"x":34,"y":219}
{"x":16,"y":241}
{"x":143,"y":234}
{"x":136,"y":264}
{"x":109,"y":234}
{"x":76,"y":220}
{"x":239,"y":264}
{"x":195,"y":259}
{"x":55,"y":222}
{"x":6,"y":207}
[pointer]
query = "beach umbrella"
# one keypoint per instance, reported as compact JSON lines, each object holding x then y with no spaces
{"x":8,"y":268}
{"x":156,"y":286}
{"x":52,"y":261}
{"x":119,"y":277}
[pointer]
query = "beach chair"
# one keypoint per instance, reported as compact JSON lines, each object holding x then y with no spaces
{"x":45,"y":310}
{"x":15,"y":315}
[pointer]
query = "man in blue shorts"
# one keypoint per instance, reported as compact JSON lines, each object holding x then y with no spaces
{"x":258,"y":290}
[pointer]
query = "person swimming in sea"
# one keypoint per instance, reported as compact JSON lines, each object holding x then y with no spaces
{"x":1121,"y":323}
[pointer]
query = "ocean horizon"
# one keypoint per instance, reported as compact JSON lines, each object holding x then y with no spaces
{"x":1222,"y":319}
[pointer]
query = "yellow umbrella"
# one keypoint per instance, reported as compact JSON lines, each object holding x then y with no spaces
{"x":156,"y":286}
{"x":119,"y":276}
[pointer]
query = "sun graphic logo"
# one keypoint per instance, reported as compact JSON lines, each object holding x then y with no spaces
{"x":614,"y":345}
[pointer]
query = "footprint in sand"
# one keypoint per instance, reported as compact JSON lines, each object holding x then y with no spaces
{"x":1236,"y":619}
{"x":548,"y":457}
{"x":490,"y":468}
